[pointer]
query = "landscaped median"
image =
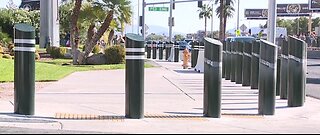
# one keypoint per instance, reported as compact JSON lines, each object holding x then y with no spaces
{"x":53,"y":70}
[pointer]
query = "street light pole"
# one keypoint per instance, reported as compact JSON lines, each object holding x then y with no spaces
{"x":271,"y":21}
{"x":143,"y":19}
{"x":170,"y":21}
{"x":238,"y":14}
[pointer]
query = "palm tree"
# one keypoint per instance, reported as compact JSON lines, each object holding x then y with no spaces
{"x":206,"y":13}
{"x":115,"y":9}
{"x":228,"y":12}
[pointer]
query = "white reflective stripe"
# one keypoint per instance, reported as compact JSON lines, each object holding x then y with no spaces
{"x":284,"y":56}
{"x":25,"y":41}
{"x":135,"y":57}
{"x":25,"y":49}
{"x":295,"y":59}
{"x":257,"y":55}
{"x":268,"y":64}
{"x":135,"y":49}
{"x":212,"y":63}
{"x":247,"y":54}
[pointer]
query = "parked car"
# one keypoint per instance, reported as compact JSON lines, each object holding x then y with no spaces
{"x":240,"y":39}
{"x":183,"y":45}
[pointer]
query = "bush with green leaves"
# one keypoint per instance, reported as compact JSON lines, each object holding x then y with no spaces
{"x":1,"y":50}
{"x":96,"y":49}
{"x":57,"y":52}
{"x":1,"y":55}
{"x":115,"y":54}
{"x":7,"y":56}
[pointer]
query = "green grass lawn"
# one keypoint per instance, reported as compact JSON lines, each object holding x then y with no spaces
{"x":52,"y":70}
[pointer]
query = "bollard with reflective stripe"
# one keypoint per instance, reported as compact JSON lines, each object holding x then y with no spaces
{"x":233,"y":61}
{"x":224,"y":60}
{"x":154,"y":50}
{"x":176,"y":52}
{"x":297,"y":72}
{"x":228,"y":61}
{"x":239,"y":57}
{"x":212,"y":78}
{"x":168,"y":49}
{"x":161,"y":50}
{"x":194,"y":53}
{"x":246,"y":66}
{"x":134,"y":83}
{"x":267,"y":77}
{"x":278,"y":76}
{"x":24,"y":69}
{"x":284,"y":70}
{"x":255,"y":65}
{"x":149,"y":44}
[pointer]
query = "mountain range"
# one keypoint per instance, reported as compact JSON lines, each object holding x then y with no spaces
{"x":159,"y":30}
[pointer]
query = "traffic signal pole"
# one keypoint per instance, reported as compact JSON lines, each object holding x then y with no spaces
{"x":144,"y":4}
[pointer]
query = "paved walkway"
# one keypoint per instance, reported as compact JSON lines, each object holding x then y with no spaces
{"x":94,"y":102}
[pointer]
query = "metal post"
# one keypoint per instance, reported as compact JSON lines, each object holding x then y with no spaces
{"x":170,"y":21}
{"x":143,"y":19}
{"x":246,"y":66}
{"x":271,"y":21}
{"x":24,"y":69}
{"x":224,"y":60}
{"x":154,"y":50}
{"x":228,"y":60}
{"x":233,"y":61}
{"x":238,"y":15}
{"x":134,"y":76}
{"x":297,"y":72}
{"x":239,"y":58}
{"x":284,"y":70}
{"x":212,"y":78}
{"x":255,"y":64}
{"x":176,"y":52}
{"x":267,"y":77}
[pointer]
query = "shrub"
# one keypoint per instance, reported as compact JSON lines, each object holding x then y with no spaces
{"x":1,"y":50}
{"x":96,"y":49}
{"x":115,"y":54}
{"x":1,"y":55}
{"x":37,"y":56}
{"x":57,"y":52}
{"x":7,"y":56}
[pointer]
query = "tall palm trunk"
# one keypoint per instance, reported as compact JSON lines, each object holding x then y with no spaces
{"x":222,"y":14}
{"x":110,"y":37}
{"x":89,"y":47}
{"x":74,"y":20}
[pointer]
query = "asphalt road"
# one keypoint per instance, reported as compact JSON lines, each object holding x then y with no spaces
{"x":313,"y":78}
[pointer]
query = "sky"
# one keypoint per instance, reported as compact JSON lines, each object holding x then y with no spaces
{"x":186,"y":15}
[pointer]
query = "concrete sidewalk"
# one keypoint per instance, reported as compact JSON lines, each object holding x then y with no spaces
{"x":94,"y":102}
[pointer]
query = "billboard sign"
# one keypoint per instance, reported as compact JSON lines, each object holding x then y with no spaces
{"x":293,"y":10}
{"x":256,"y":13}
{"x":314,"y":4}
{"x":30,"y":4}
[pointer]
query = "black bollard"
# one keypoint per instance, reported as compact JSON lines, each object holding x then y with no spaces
{"x":224,"y":60}
{"x":284,"y":70}
{"x":161,"y":45}
{"x":246,"y":66}
{"x":176,"y":52}
{"x":255,"y":65}
{"x":24,"y":69}
{"x":149,"y":46}
{"x":297,"y":72}
{"x":239,"y":58}
{"x":194,"y":53}
{"x":212,"y":78}
{"x":134,"y":76}
{"x":228,"y":61}
{"x":233,"y":61}
{"x":267,"y":77}
{"x":154,"y":50}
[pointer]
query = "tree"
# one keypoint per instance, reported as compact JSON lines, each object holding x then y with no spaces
{"x":206,"y":13}
{"x":74,"y":30}
{"x":114,"y":8}
{"x":227,"y":12}
{"x":178,"y":37}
